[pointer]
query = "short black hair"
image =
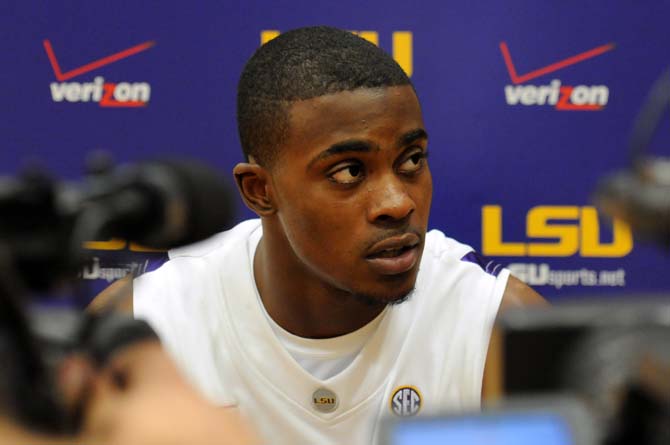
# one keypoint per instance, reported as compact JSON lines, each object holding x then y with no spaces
{"x":302,"y":64}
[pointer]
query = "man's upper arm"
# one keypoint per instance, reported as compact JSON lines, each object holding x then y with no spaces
{"x":118,"y":296}
{"x":519,"y":294}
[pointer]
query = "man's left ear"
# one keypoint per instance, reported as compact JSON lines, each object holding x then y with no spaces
{"x":253,"y":182}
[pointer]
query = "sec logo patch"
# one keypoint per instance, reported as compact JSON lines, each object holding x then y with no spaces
{"x":405,"y":401}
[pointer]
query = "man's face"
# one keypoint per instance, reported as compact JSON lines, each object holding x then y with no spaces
{"x":353,"y":190}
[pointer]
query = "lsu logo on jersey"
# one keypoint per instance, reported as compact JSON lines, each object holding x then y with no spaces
{"x":406,"y":401}
{"x":325,"y":400}
{"x":555,"y":231}
{"x":401,"y":40}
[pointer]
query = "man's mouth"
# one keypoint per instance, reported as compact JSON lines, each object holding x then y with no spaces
{"x":394,"y":255}
{"x":390,"y":253}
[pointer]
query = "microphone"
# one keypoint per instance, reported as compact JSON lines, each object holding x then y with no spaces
{"x":159,"y":204}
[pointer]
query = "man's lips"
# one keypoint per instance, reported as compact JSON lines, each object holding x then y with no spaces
{"x":394,"y":255}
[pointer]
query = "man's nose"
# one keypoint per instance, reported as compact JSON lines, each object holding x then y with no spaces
{"x":389,"y":200}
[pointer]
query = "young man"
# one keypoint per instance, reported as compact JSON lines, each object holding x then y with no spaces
{"x":336,"y":308}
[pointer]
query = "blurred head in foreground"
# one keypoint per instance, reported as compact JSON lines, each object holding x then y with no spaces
{"x":135,"y":395}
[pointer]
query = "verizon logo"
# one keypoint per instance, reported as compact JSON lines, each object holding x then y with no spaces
{"x":106,"y":94}
{"x":565,"y":97}
{"x":555,"y":94}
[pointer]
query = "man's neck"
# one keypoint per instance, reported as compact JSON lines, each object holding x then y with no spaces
{"x":300,"y":302}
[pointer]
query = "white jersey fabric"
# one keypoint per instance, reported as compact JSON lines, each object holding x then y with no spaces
{"x":325,"y":357}
{"x":425,"y":355}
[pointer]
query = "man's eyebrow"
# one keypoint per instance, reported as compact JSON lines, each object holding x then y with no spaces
{"x":354,"y":146}
{"x":412,"y":136}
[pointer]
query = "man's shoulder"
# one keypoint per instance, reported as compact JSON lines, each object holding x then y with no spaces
{"x":213,"y":244}
{"x":209,"y":248}
{"x":440,"y":245}
{"x":189,"y":284}
{"x":189,"y":265}
{"x":448,"y":252}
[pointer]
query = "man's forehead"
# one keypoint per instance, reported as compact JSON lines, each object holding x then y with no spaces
{"x":371,"y":117}
{"x":342,"y":98}
{"x":349,"y":110}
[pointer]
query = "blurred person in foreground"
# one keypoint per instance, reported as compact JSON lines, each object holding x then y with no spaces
{"x":137,"y":396}
{"x":337,"y":307}
{"x":140,"y":398}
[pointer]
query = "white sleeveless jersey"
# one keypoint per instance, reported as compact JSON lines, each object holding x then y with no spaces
{"x":426,"y":355}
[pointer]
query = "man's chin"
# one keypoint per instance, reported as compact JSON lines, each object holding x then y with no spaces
{"x":385,"y":299}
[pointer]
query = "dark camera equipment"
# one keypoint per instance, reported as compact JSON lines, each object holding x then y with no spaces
{"x":612,"y":355}
{"x":43,"y":225}
{"x":641,"y":195}
{"x":161,"y":204}
{"x":26,"y":389}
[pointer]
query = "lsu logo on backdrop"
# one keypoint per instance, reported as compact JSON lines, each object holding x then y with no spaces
{"x":402,"y":45}
{"x":554,"y":93}
{"x":555,"y":231}
{"x":106,"y":94}
{"x":405,"y":401}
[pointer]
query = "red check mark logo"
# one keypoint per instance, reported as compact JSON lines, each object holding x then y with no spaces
{"x":516,"y":79}
{"x":61,"y":76}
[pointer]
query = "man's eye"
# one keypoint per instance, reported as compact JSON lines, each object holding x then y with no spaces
{"x":413,"y":163}
{"x":349,"y":174}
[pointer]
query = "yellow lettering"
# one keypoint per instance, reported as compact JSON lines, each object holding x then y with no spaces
{"x":492,"y":242}
{"x":118,"y":244}
{"x":581,"y":234}
{"x":112,"y":244}
{"x":402,"y":45}
{"x":622,"y":242}
{"x":134,"y":247}
{"x":370,"y":36}
{"x":267,"y":35}
{"x":537,"y":226}
{"x":402,"y":51}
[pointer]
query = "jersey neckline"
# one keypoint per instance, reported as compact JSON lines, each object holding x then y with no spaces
{"x":354,"y":385}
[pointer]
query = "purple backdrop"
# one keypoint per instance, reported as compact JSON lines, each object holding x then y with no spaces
{"x":522,"y":139}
